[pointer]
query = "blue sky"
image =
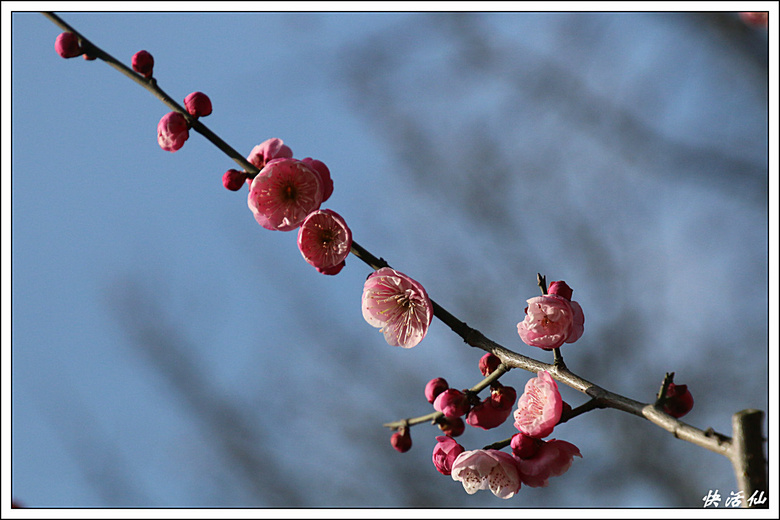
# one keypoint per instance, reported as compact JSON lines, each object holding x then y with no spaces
{"x":111,"y":237}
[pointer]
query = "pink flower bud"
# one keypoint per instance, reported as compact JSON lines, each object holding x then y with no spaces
{"x":172,"y":131}
{"x":488,"y":364}
{"x":679,"y":400}
{"x":445,"y":452}
{"x":434,"y":387}
{"x":273,"y":148}
{"x":561,"y":289}
{"x":494,"y":409}
{"x":452,"y":427}
{"x":67,"y":45}
{"x":539,"y":408}
{"x":452,"y":403}
{"x":401,"y":440}
{"x":143,"y":63}
{"x":524,"y":447}
{"x":325,"y":240}
{"x":198,"y":104}
{"x":234,"y":179}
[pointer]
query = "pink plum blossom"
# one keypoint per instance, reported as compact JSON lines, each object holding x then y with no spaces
{"x":172,"y":131}
{"x":143,"y":63}
{"x":552,"y":459}
{"x":273,"y":148}
{"x":398,"y":306}
{"x":434,"y":387}
{"x":452,"y":403}
{"x":198,"y":104}
{"x":552,"y":319}
{"x":325,"y":181}
{"x":325,"y":240}
{"x":539,"y":408}
{"x":283,"y":194}
{"x":487,"y":469}
{"x":67,"y":45}
{"x":445,"y":452}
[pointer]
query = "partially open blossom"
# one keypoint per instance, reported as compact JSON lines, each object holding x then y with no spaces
{"x":552,"y":319}
{"x":452,"y":403}
{"x":488,"y":364}
{"x":234,"y":179}
{"x":325,"y":181}
{"x":401,"y":440}
{"x":487,"y":469}
{"x":172,"y":131}
{"x":398,"y":305}
{"x":552,"y":459}
{"x":494,"y":409}
{"x":283,"y":194}
{"x":539,"y":408}
{"x":452,"y":426}
{"x":273,"y":148}
{"x":679,"y":400}
{"x":434,"y":387}
{"x":67,"y":45}
{"x":445,"y":452}
{"x":143,"y":63}
{"x":198,"y":104}
{"x":325,"y":240}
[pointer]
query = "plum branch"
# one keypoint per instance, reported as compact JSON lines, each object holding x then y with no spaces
{"x":744,"y":450}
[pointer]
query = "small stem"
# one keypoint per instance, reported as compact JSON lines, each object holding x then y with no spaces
{"x":541,"y":281}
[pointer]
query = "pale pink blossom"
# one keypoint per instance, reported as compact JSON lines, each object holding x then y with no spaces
{"x":67,"y":45}
{"x":487,"y":469}
{"x":452,"y":403}
{"x":172,"y":131}
{"x":198,"y":104}
{"x":445,"y":452}
{"x":283,"y":194}
{"x":551,"y":320}
{"x":143,"y":63}
{"x":325,"y":240}
{"x":398,"y":305}
{"x":539,"y":408}
{"x":552,"y":459}
{"x":273,"y":148}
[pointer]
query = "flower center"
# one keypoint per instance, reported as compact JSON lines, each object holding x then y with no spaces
{"x":289,"y":192}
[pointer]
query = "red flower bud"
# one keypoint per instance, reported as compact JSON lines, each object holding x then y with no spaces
{"x":143,"y":63}
{"x":488,"y":364}
{"x":678,"y":401}
{"x":234,"y":179}
{"x":561,"y":289}
{"x":401,"y":440}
